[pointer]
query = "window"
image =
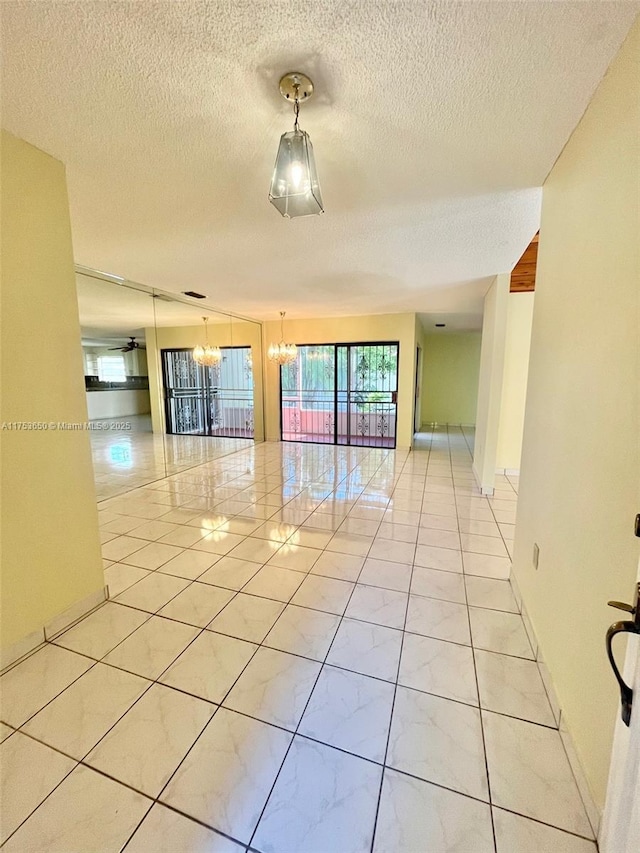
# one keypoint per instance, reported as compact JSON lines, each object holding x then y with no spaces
{"x":90,"y":364}
{"x":111,"y":368}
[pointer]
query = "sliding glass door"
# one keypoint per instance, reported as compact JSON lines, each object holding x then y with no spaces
{"x":341,"y":394}
{"x":209,"y":400}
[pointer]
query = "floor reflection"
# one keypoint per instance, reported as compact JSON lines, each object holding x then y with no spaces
{"x":124,"y":459}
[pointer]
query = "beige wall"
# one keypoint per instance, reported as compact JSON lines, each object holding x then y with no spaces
{"x":50,"y":546}
{"x":494,"y":324}
{"x":451,"y":364}
{"x":514,"y":382}
{"x":244,"y":334}
{"x":376,"y":328}
{"x":580,"y":460}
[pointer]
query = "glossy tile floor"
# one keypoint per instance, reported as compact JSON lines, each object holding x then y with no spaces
{"x":308,"y":649}
{"x":125,"y":459}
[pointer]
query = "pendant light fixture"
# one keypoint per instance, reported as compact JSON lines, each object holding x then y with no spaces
{"x":282,"y":353}
{"x":206,"y":355}
{"x":295,"y":190}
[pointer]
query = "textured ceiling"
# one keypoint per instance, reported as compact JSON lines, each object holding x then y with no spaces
{"x":434,"y":125}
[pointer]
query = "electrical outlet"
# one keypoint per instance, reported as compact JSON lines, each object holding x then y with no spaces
{"x":536,"y":555}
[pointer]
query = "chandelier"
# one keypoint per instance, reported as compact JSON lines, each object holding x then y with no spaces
{"x":206,"y":355}
{"x":295,"y":190}
{"x":282,"y":353}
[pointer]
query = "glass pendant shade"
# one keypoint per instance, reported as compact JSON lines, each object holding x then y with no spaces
{"x":295,"y":190}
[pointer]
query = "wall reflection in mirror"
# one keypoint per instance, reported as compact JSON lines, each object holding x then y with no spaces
{"x":154,"y":410}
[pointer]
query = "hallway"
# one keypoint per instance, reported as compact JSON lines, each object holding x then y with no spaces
{"x":308,"y":648}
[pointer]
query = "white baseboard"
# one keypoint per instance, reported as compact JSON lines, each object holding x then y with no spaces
{"x":446,"y":423}
{"x":484,"y":490}
{"x":593,"y":811}
{"x":508,"y":472}
{"x":74,"y":613}
{"x":516,"y":590}
{"x":27,"y":645}
{"x":12,"y":654}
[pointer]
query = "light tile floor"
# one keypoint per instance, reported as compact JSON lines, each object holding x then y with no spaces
{"x":307,"y":649}
{"x":126,"y":458}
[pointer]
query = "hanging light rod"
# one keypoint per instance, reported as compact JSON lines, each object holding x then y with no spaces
{"x":295,"y":190}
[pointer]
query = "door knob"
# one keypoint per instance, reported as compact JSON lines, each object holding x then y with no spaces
{"x":629,"y":627}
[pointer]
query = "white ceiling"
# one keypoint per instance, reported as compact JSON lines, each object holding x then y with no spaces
{"x":112,"y":312}
{"x":453,"y":322}
{"x":434,"y":125}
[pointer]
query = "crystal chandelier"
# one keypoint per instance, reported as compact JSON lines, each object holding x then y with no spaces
{"x":206,"y":355}
{"x":295,"y":190}
{"x":282,"y":353}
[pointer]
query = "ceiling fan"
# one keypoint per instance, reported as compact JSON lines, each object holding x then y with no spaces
{"x":129,"y":347}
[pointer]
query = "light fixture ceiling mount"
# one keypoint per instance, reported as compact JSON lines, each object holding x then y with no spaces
{"x":296,"y":86}
{"x":295,"y":190}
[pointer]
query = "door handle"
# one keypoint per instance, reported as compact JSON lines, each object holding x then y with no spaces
{"x":629,"y":627}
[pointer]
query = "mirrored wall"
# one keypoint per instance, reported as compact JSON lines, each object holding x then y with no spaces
{"x":153,"y":409}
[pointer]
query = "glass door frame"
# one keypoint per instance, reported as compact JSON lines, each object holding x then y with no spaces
{"x":348,"y":345}
{"x":204,"y":392}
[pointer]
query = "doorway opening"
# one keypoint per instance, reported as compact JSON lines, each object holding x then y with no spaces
{"x":341,"y":394}
{"x":215,"y":401}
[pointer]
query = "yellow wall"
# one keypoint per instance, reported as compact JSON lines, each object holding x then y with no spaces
{"x":375,"y":328}
{"x":494,"y":325}
{"x":514,"y":381}
{"x":451,"y":363}
{"x":244,"y":334}
{"x":420,"y":344}
{"x":580,"y":461}
{"x":50,"y":545}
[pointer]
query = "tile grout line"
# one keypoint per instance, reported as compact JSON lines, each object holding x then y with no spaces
{"x":101,"y":772}
{"x":323,"y":663}
{"x":395,"y":690}
{"x":221,"y":704}
{"x":480,"y":718}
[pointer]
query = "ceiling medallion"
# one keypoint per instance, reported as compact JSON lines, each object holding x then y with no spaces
{"x":295,"y":190}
